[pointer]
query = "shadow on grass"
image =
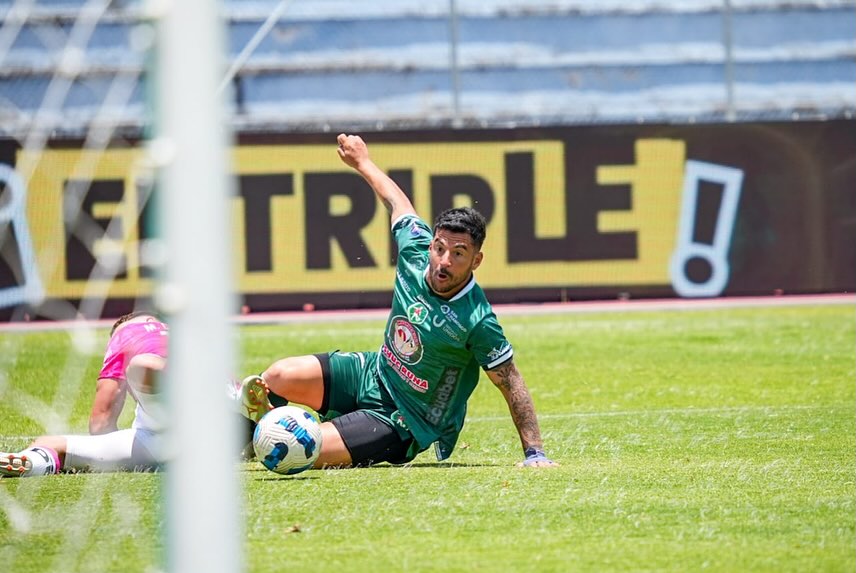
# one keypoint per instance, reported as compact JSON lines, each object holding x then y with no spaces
{"x":287,"y":478}
{"x":435,"y":465}
{"x":381,"y":466}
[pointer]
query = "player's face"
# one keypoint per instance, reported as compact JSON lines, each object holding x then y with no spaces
{"x":452,"y":259}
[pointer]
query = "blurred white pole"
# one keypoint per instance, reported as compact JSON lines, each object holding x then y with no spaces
{"x":191,"y":147}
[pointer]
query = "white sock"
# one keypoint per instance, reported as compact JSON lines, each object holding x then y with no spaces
{"x":45,"y":461}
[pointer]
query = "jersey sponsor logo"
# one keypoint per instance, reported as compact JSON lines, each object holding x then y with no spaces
{"x":415,"y":230}
{"x":415,"y":382}
{"x":452,"y":316}
{"x":424,"y":301}
{"x":405,"y":340}
{"x":443,"y":394}
{"x":450,"y":332}
{"x":417,"y":313}
{"x":442,"y":322}
{"x":402,"y":281}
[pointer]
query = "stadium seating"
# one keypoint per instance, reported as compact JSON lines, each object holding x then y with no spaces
{"x":388,"y":62}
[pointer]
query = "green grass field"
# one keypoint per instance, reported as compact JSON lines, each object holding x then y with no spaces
{"x":722,"y":440}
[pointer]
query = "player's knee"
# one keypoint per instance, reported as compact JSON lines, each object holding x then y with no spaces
{"x":280,"y":372}
{"x":297,"y":379}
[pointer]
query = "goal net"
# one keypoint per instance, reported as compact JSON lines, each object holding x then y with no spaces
{"x":106,"y":246}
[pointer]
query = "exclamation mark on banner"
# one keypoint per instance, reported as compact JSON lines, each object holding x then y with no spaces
{"x":14,"y":228}
{"x":708,"y":259}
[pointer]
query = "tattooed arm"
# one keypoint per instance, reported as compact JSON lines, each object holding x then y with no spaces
{"x":510,"y":382}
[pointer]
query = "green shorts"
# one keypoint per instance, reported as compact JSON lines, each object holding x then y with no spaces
{"x":351,"y":385}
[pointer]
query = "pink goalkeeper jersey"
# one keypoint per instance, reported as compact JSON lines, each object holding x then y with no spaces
{"x":131,"y":340}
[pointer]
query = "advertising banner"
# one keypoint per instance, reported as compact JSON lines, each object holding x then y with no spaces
{"x":573,"y":212}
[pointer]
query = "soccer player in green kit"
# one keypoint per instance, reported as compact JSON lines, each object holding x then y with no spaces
{"x":392,"y":404}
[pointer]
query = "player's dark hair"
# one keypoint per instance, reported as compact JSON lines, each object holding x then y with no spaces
{"x":126,"y":317}
{"x":463,"y":220}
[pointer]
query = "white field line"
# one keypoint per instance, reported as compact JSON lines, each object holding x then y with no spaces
{"x":620,"y":413}
{"x":672,"y":411}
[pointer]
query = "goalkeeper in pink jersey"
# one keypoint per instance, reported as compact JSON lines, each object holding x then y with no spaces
{"x":136,"y":352}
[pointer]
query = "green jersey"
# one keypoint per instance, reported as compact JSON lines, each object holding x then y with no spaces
{"x":433,"y":347}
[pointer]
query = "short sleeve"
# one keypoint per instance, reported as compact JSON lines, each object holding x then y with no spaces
{"x":488,"y":343}
{"x":412,"y":236}
{"x":114,"y":362}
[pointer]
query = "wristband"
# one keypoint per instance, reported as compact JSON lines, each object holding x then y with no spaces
{"x":535,"y":456}
{"x":534,"y":453}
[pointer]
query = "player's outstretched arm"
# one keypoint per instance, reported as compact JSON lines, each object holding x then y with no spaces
{"x":510,"y":382}
{"x":354,"y":152}
{"x":107,"y":405}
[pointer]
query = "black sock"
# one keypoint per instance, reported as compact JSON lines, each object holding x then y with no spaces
{"x":276,"y":400}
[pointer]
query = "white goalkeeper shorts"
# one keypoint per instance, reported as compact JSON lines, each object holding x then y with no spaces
{"x":131,"y":449}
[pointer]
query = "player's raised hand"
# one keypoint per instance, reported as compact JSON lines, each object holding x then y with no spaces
{"x":352,"y":150}
{"x":354,"y":153}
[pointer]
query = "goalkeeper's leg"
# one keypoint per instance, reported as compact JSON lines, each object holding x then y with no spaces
{"x":121,"y":450}
{"x":33,"y":461}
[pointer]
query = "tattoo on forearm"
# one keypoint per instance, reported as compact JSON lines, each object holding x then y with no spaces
{"x":511,"y":384}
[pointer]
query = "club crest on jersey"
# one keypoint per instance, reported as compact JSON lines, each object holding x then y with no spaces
{"x":398,"y":418}
{"x":417,"y":313}
{"x":405,"y":340}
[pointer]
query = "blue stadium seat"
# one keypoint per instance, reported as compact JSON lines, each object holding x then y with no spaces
{"x":531,"y":60}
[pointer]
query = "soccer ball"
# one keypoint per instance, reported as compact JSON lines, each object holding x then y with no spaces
{"x":287,"y":440}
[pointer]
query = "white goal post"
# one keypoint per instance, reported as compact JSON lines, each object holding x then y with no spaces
{"x":191,"y":152}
